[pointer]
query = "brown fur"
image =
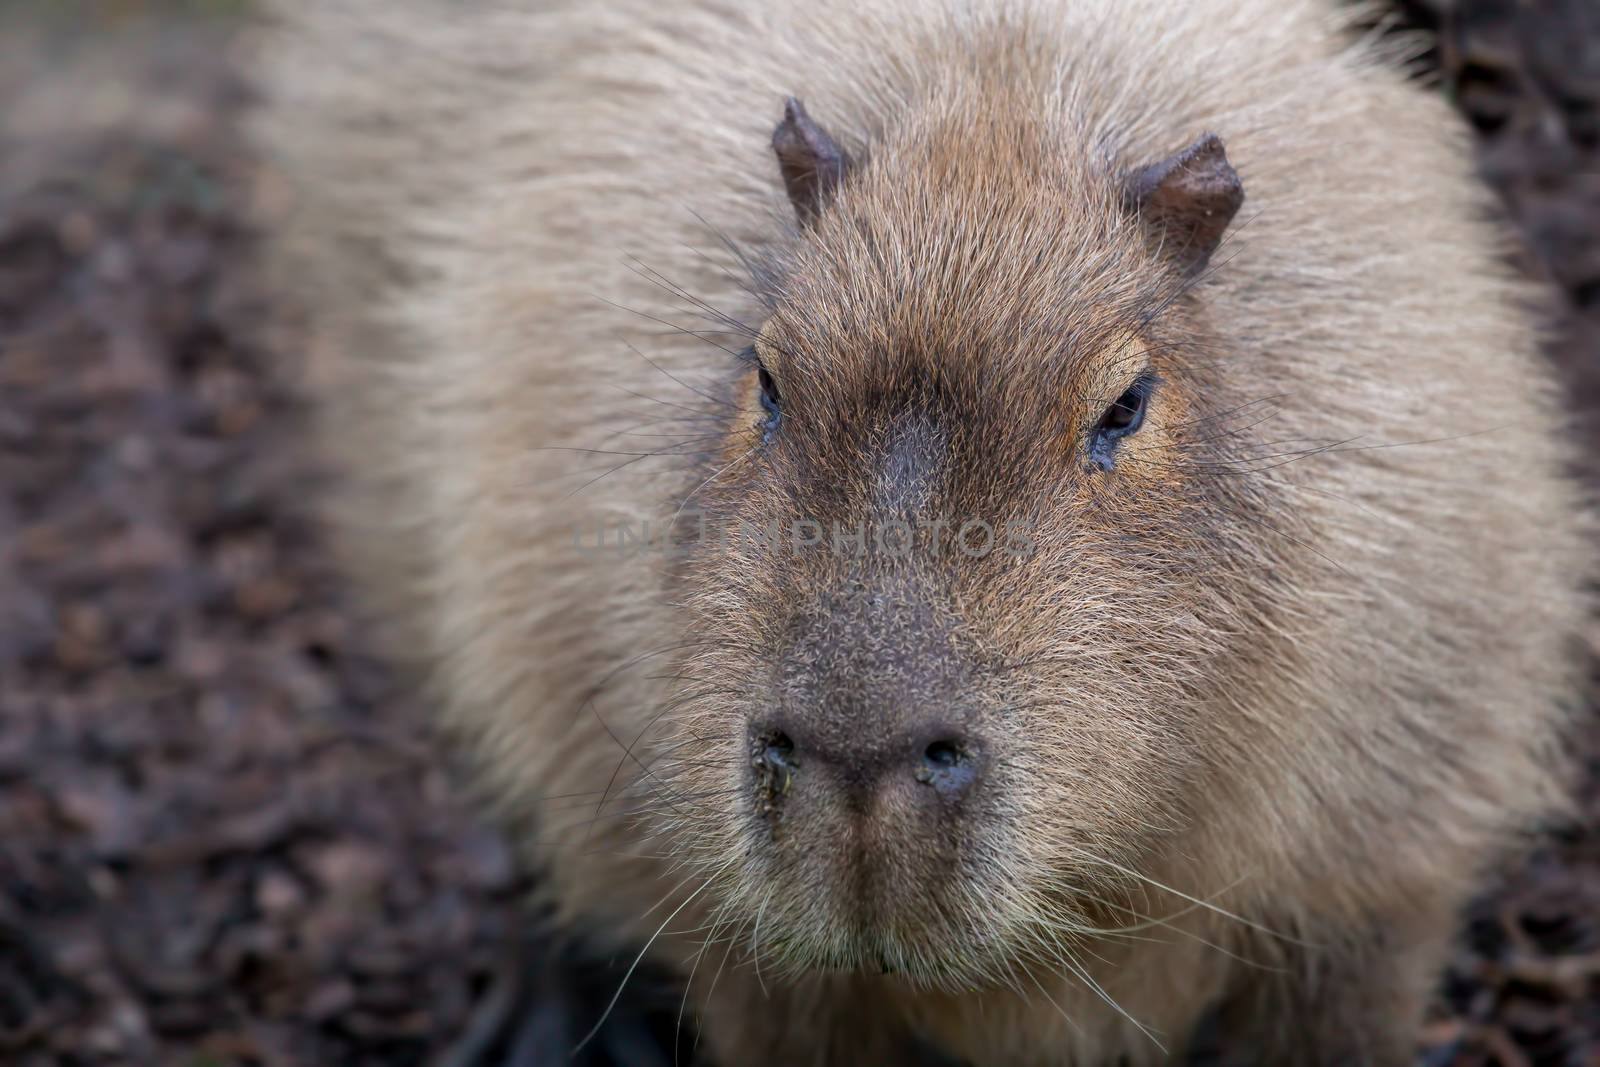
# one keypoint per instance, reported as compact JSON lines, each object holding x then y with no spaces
{"x":1257,"y":707}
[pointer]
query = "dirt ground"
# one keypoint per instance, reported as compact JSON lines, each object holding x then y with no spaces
{"x":226,"y":835}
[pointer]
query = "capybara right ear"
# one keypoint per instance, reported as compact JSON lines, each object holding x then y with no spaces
{"x":812,"y":162}
{"x":1187,"y":200}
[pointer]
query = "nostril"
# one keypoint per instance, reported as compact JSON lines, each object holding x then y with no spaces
{"x":774,"y":764}
{"x":780,"y":749}
{"x":942,"y":754}
{"x":949,"y":766}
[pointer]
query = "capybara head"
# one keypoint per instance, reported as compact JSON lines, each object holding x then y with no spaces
{"x":981,"y":574}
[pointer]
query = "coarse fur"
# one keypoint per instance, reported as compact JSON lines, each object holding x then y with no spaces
{"x":1259,"y":704}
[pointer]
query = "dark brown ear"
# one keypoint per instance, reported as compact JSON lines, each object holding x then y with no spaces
{"x":1188,"y":200}
{"x":812,"y":163}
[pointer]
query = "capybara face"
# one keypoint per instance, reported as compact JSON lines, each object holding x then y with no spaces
{"x":978,"y":553}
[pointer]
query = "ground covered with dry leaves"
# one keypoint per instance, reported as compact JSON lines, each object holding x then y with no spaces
{"x":225,"y":835}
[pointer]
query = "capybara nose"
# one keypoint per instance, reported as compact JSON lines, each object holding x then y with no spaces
{"x":949,"y":766}
{"x":942,"y":763}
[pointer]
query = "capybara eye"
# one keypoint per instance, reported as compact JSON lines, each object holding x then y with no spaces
{"x":1123,"y":417}
{"x":1127,"y":413}
{"x":769,"y":399}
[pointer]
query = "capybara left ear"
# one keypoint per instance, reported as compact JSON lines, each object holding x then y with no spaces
{"x":812,"y":162}
{"x":1187,"y":200}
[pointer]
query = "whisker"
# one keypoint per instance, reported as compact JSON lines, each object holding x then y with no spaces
{"x":579,"y":1047}
{"x":1213,"y":908}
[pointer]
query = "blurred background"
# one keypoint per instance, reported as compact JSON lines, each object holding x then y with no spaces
{"x":226,"y":836}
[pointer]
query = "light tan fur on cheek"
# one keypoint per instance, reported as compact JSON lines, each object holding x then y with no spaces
{"x":748,"y":417}
{"x":1152,"y":456}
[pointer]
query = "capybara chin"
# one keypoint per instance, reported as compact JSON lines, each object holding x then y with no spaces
{"x":1019,"y":531}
